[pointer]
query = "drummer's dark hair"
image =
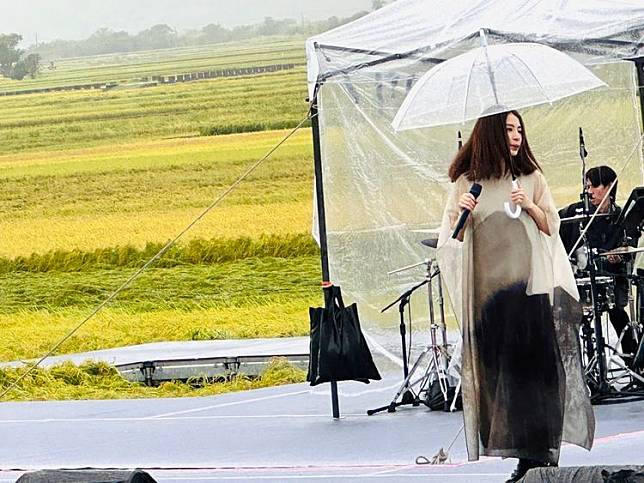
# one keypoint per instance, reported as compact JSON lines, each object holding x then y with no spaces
{"x":603,"y":175}
{"x":488,"y":142}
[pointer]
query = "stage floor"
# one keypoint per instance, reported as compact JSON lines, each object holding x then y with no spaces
{"x":282,"y":433}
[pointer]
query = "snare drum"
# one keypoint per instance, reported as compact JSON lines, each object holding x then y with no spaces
{"x":605,"y":292}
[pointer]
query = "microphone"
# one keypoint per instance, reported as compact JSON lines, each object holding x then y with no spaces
{"x":475,"y":191}
{"x":582,"y":154}
{"x":582,"y":145}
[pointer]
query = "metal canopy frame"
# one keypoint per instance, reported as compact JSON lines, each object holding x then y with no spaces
{"x":592,"y":46}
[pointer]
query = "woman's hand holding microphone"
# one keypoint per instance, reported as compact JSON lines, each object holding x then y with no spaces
{"x":467,"y":201}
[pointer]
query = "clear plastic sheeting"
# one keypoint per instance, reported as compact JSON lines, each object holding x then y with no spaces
{"x":385,"y":191}
{"x":430,"y":31}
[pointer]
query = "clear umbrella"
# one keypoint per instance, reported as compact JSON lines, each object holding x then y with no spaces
{"x":492,"y":79}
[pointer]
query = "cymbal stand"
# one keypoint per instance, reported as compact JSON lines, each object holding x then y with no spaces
{"x":596,"y":369}
{"x":438,"y":353}
{"x":436,"y":368}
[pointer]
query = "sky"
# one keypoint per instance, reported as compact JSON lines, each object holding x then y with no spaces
{"x":78,"y":19}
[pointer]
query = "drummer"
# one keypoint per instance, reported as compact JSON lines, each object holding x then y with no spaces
{"x":603,"y":235}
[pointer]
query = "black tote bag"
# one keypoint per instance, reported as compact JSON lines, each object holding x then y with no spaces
{"x":338,"y":349}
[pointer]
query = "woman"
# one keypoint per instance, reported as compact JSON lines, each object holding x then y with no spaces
{"x":523,"y":388}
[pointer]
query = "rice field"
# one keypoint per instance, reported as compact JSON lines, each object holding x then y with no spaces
{"x":77,"y":119}
{"x":132,"y":66}
{"x":92,"y":184}
{"x":147,"y":192}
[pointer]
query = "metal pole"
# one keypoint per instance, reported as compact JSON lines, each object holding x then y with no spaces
{"x":319,"y":196}
{"x":639,"y":67}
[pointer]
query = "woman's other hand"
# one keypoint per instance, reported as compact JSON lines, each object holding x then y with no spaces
{"x":519,"y":197}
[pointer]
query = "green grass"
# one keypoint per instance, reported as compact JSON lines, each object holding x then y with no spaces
{"x":100,"y":381}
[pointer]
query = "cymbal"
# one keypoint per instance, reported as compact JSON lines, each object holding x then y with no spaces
{"x":430,"y":242}
{"x":572,"y":219}
{"x":622,"y":251}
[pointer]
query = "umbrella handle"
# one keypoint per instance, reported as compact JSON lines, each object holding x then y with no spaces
{"x":512,"y":210}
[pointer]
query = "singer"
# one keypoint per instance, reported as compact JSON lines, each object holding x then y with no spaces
{"x":521,"y":375}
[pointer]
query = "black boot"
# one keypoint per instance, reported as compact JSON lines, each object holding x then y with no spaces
{"x":522,"y":468}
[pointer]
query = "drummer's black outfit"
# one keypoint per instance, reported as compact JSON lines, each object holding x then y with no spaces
{"x":604,"y":236}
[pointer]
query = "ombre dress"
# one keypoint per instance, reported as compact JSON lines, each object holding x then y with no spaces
{"x":514,"y":295}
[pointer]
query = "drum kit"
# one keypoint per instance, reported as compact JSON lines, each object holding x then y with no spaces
{"x":611,"y":372}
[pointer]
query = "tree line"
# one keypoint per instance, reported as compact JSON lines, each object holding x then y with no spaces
{"x":107,"y":41}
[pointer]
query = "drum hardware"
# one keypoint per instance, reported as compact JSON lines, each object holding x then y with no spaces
{"x":578,"y":218}
{"x":597,"y":295}
{"x":622,"y":251}
{"x":604,"y":288}
{"x":435,"y":355}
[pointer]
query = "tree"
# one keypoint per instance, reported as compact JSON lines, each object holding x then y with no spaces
{"x":213,"y":33}
{"x":275,"y":27}
{"x":29,"y":66}
{"x":159,"y":36}
{"x":9,"y":53}
{"x":105,"y":41}
{"x":12,"y":62}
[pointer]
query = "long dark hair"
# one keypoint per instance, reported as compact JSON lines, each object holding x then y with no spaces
{"x":486,"y":154}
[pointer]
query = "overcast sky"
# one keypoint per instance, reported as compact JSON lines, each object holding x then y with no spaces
{"x":77,"y":19}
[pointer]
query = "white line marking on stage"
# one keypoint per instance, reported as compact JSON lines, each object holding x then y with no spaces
{"x":233,"y":403}
{"x":173,"y":418}
{"x":443,"y":476}
{"x":385,"y":472}
{"x":326,"y":392}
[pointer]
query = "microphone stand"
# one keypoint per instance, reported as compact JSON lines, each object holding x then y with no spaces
{"x":408,"y":397}
{"x":601,"y":383}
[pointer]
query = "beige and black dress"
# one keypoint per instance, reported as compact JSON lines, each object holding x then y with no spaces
{"x":515,"y":297}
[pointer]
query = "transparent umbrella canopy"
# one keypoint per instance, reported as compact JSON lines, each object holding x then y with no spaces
{"x":492,"y":79}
